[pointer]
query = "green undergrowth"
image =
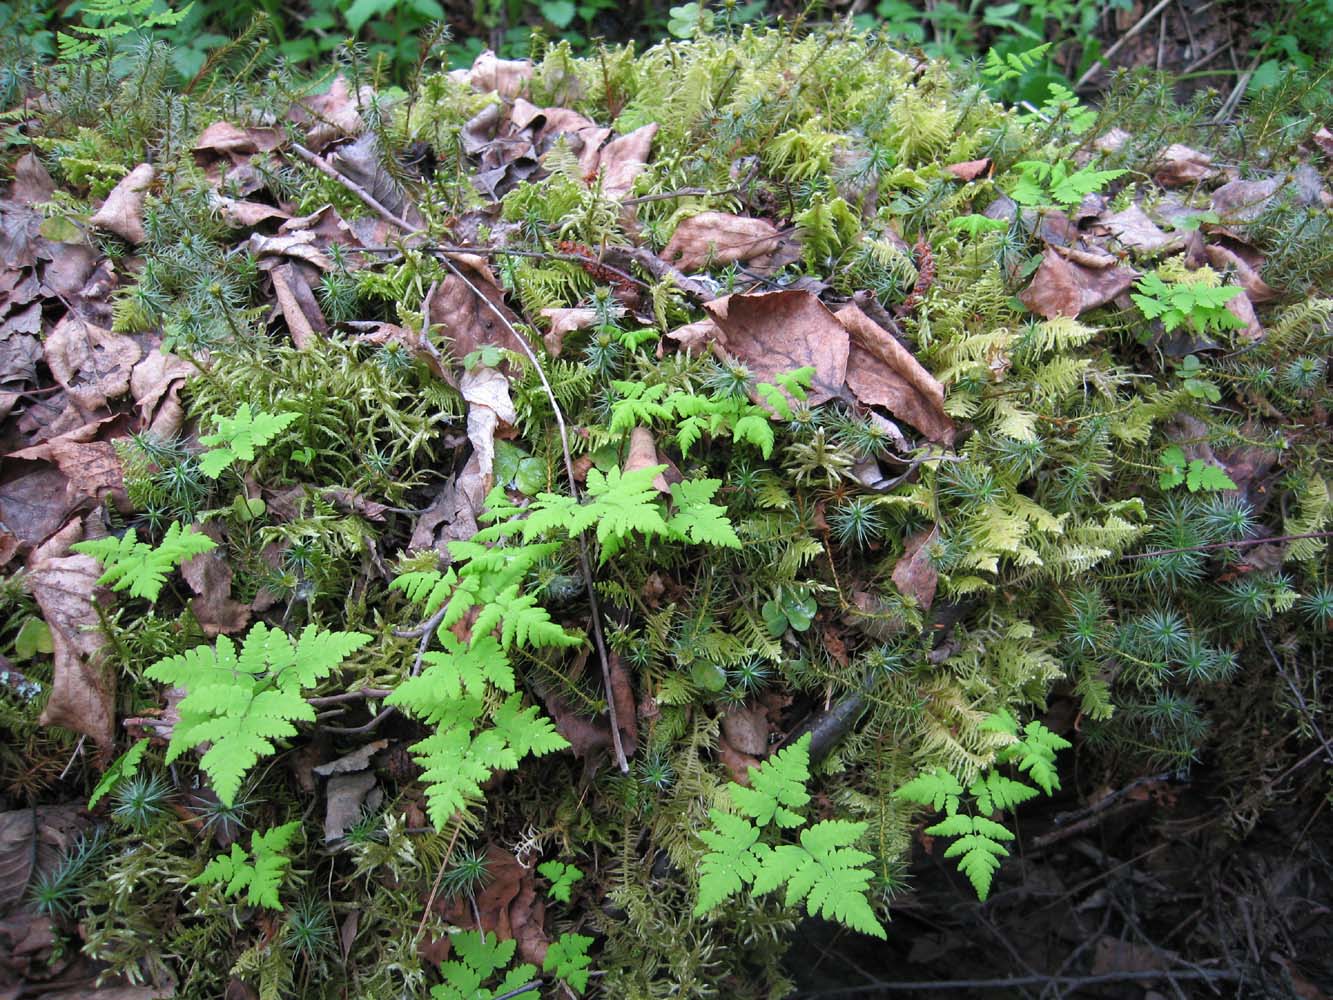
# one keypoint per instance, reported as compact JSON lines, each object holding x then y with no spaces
{"x":1087,"y":531}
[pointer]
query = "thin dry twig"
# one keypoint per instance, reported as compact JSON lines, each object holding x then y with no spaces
{"x":1142,"y":23}
{"x":324,"y":167}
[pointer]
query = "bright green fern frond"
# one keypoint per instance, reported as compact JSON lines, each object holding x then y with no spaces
{"x":130,"y":564}
{"x":777,"y":787}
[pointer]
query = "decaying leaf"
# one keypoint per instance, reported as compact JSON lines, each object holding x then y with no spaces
{"x":209,"y":576}
{"x":91,"y":467}
{"x":93,"y":364}
{"x":695,"y":337}
{"x":881,"y":372}
{"x":713,"y":239}
{"x":1180,"y":165}
{"x":914,"y":574}
{"x":300,"y":245}
{"x":305,"y":320}
{"x":468,"y":321}
{"x":623,"y":159}
{"x":507,"y":77}
{"x":970,"y":170}
{"x":487,"y":393}
{"x":1244,"y":201}
{"x":1062,"y":287}
{"x":122,"y":212}
{"x":565,"y":321}
{"x":1225,"y":259}
{"x":643,"y":455}
{"x":83,"y":690}
{"x":1134,"y":230}
{"x":779,"y":332}
{"x":746,"y":729}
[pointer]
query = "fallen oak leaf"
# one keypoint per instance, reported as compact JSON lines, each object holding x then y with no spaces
{"x":91,"y":363}
{"x":1063,"y":287}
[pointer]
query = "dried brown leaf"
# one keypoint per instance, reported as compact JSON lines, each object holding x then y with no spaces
{"x":778,"y":332}
{"x":1133,"y":229}
{"x":970,"y":170}
{"x":913,"y":574}
{"x":468,"y":322}
{"x":122,"y":212}
{"x":209,"y":576}
{"x":565,"y":321}
{"x":623,"y":159}
{"x":91,"y":468}
{"x":32,"y":183}
{"x":93,"y":364}
{"x":746,"y":729}
{"x":881,"y":372}
{"x":697,"y":336}
{"x":1244,"y":201}
{"x":713,"y":239}
{"x":643,"y":455}
{"x":507,"y":77}
{"x":1062,"y":287}
{"x":83,"y":690}
{"x":300,"y":245}
{"x":1225,"y":259}
{"x":1180,"y":165}
{"x":305,"y":320}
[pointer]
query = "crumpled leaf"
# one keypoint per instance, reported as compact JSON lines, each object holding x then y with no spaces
{"x":1133,"y":229}
{"x":913,"y":574}
{"x":1180,"y":165}
{"x":507,"y":77}
{"x":643,"y":455}
{"x":93,"y":364}
{"x":970,"y":170}
{"x":881,"y":372}
{"x":83,"y":691}
{"x":32,"y":183}
{"x":362,"y":162}
{"x":155,"y":386}
{"x":246,"y":214}
{"x":467,"y":321}
{"x":335,"y":113}
{"x":779,"y":332}
{"x":623,"y":159}
{"x":746,"y":729}
{"x":301,"y":245}
{"x":91,"y":468}
{"x":346,"y":799}
{"x":1062,"y":287}
{"x":719,"y":238}
{"x":237,"y":144}
{"x":305,"y":320}
{"x":1223,"y":259}
{"x":588,"y":736}
{"x":695,"y":337}
{"x":209,"y":575}
{"x":1244,"y":201}
{"x":487,"y":393}
{"x":122,"y":212}
{"x":565,"y":321}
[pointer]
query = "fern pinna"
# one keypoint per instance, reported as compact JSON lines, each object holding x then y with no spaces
{"x":488,"y":573}
{"x":239,"y":702}
{"x":981,"y":840}
{"x":825,"y":869}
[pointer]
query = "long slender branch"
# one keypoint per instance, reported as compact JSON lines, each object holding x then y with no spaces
{"x":1013,"y":981}
{"x":585,"y":564}
{"x":324,"y":167}
{"x":1229,"y":545}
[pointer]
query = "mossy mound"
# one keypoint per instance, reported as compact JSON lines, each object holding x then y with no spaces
{"x":563,"y":438}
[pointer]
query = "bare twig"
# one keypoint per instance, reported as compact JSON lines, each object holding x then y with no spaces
{"x":324,"y":167}
{"x":346,"y":696}
{"x":439,"y":876}
{"x":373,"y":724}
{"x":1142,"y":23}
{"x":1227,"y":545}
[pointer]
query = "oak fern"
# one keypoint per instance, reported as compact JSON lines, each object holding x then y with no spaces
{"x":138,"y":567}
{"x":239,"y":702}
{"x":258,"y":871}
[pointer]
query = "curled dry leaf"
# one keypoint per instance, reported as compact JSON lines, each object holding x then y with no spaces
{"x":736,"y":762}
{"x":643,"y":455}
{"x":332,"y":114}
{"x":487,"y":394}
{"x":245,"y":214}
{"x":1134,"y":230}
{"x":209,"y":576}
{"x":913,"y":574}
{"x":1180,"y":165}
{"x":718,"y":238}
{"x":468,"y":321}
{"x":746,"y":728}
{"x":778,"y":332}
{"x":1242,"y":308}
{"x":91,"y":468}
{"x":1225,"y":259}
{"x":305,"y":320}
{"x":32,"y":183}
{"x":623,"y":159}
{"x":881,"y":372}
{"x":82,"y":691}
{"x":565,"y":321}
{"x":155,"y":385}
{"x":507,"y":77}
{"x":122,"y":212}
{"x":1244,"y":201}
{"x":300,"y":245}
{"x":1063,"y":287}
{"x":695,"y":337}
{"x":237,"y":144}
{"x":92,"y":364}
{"x":970,"y":170}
